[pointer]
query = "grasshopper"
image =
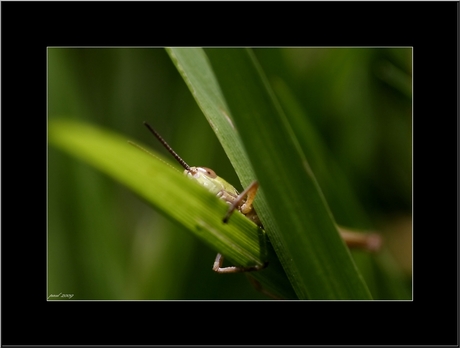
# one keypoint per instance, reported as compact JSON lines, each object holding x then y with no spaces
{"x":222,"y":189}
{"x":243,"y":203}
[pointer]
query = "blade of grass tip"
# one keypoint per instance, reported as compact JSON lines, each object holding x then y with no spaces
{"x":318,"y":264}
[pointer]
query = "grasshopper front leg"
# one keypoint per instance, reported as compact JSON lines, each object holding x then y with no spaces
{"x":245,"y":207}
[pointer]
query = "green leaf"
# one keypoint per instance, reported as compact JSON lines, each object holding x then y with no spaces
{"x":315,"y":258}
{"x":169,"y":191}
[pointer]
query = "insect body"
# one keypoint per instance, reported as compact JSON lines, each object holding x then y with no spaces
{"x":222,"y":189}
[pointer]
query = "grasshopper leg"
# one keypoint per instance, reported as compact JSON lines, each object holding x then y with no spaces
{"x":217,"y":267}
{"x":371,"y":242}
{"x":246,"y":207}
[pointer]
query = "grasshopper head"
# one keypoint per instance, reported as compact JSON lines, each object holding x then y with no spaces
{"x":209,"y":179}
{"x":199,"y":171}
{"x":205,"y":177}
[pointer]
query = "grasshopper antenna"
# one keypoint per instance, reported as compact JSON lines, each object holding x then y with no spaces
{"x":166,"y":145}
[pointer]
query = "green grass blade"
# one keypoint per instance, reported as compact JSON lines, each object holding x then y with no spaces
{"x":340,"y":197}
{"x":314,"y":256}
{"x":170,"y":192}
{"x":197,"y":72}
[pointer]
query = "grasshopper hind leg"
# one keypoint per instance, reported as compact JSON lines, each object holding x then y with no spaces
{"x":217,"y":267}
{"x":233,"y":269}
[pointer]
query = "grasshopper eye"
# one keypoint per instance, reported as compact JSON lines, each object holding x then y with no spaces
{"x":209,"y":172}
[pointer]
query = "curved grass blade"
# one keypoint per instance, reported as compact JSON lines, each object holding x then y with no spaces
{"x":179,"y":198}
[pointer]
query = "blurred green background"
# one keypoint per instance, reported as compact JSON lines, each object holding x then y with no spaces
{"x":106,"y":243}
